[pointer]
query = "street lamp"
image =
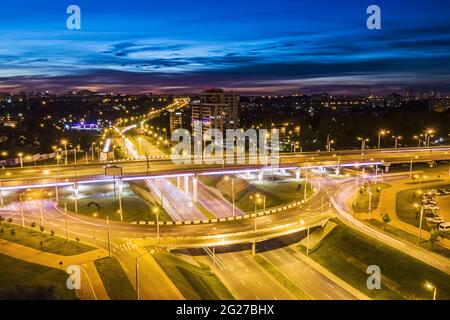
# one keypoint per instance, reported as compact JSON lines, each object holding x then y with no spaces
{"x":232,"y":194}
{"x":420,"y":222}
{"x":431,"y":287}
{"x":156,"y":212}
{"x":381,"y":133}
{"x":363,"y":145}
{"x":64,"y":143}
{"x":302,"y":222}
{"x":20,"y":155}
{"x":396,"y":138}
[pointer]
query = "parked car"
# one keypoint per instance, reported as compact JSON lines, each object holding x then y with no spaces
{"x":435,"y":220}
{"x":444,"y":227}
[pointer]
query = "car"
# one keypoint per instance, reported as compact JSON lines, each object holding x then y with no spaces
{"x":430,"y":214}
{"x":444,"y":227}
{"x":431,"y":207}
{"x":435,"y":220}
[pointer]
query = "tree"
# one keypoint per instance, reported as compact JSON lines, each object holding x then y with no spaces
{"x":434,"y":235}
{"x":52,"y":233}
{"x":10,"y":220}
{"x":13,"y":232}
{"x":41,"y":228}
{"x":33,"y":224}
{"x":386,"y":219}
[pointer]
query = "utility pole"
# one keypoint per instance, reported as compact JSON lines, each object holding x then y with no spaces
{"x":67,"y":223}
{"x":420,"y":226}
{"x":306,"y":184}
{"x":232,"y":193}
{"x":120,"y":200}
{"x":21,"y":211}
{"x":1,"y":195}
{"x":137,"y":278}
{"x":42,"y":216}
{"x":109,"y":235}
{"x":410,"y":168}
{"x":307,"y":241}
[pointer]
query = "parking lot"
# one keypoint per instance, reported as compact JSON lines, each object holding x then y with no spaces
{"x":436,"y":208}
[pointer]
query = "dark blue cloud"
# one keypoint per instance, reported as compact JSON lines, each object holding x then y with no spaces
{"x":247,"y":44}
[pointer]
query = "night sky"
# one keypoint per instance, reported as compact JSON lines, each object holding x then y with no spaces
{"x":254,"y":47}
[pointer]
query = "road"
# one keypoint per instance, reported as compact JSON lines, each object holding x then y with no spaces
{"x":162,"y":166}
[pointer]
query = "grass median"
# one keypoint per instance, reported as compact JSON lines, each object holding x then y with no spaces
{"x":20,"y":280}
{"x":42,"y":241}
{"x":361,"y":203}
{"x":348,"y":253}
{"x":114,"y":278}
{"x":194,"y":282}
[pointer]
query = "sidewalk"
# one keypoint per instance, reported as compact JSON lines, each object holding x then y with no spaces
{"x":85,"y":260}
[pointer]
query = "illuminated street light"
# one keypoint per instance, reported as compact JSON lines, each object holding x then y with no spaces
{"x":381,"y":133}
{"x":431,"y":287}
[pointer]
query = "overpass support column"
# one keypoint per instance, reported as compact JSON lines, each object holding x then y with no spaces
{"x":186,"y":185}
{"x":178,"y":182}
{"x":297,"y":174}
{"x":254,"y":248}
{"x":194,"y":189}
{"x":260,"y":175}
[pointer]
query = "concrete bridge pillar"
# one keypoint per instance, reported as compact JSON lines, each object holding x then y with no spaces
{"x":194,"y":189}
{"x":260,"y":175}
{"x":297,"y":174}
{"x":338,"y":170}
{"x":186,"y":185}
{"x":179,"y":182}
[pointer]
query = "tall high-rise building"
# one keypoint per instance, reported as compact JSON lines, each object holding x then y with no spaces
{"x":216,"y":109}
{"x":175,"y":120}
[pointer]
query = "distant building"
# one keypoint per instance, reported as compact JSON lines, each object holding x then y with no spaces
{"x":216,"y":109}
{"x":175,"y":121}
{"x":439,"y":105}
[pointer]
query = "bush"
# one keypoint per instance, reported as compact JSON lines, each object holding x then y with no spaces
{"x":33,"y":224}
{"x":13,"y":232}
{"x":52,"y":233}
{"x":10,"y":220}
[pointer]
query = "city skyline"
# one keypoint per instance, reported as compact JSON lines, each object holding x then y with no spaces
{"x":249,"y":47}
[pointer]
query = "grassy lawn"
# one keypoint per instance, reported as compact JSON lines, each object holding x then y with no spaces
{"x":348,"y":253}
{"x":406,"y":210}
{"x":276,"y":193}
{"x":280,"y":277}
{"x":406,"y":236}
{"x":99,"y":201}
{"x":116,"y":282}
{"x":195,"y":283}
{"x":29,"y":281}
{"x":32,"y":238}
{"x":362,"y":200}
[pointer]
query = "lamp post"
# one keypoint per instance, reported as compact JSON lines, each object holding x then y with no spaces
{"x":381,"y":133}
{"x":1,"y":196}
{"x":21,"y":210}
{"x":120,"y":199}
{"x":64,"y":142}
{"x":396,"y":138}
{"x":420,"y":223}
{"x":307,"y":237}
{"x":21,"y":159}
{"x":432,"y":287}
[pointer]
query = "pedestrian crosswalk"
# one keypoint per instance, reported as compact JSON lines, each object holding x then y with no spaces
{"x":127,"y":246}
